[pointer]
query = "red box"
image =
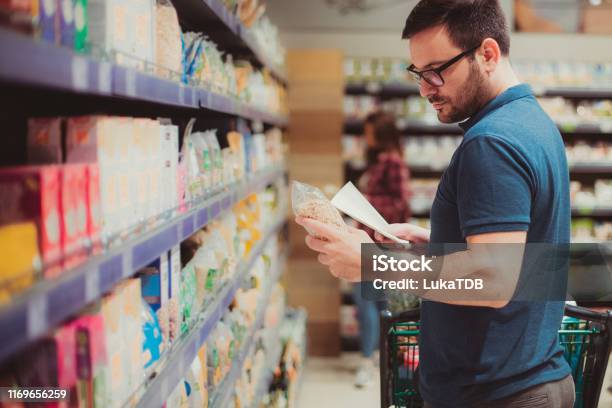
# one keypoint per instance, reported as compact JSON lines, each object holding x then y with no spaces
{"x":32,"y":193}
{"x":94,"y":216}
{"x":74,"y":218}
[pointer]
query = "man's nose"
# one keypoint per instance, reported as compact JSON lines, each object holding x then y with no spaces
{"x":426,"y":90}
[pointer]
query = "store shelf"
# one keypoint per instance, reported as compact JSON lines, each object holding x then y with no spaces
{"x":226,"y":30}
{"x":418,"y":127}
{"x":595,"y":212}
{"x":222,"y":394}
{"x":405,"y":89}
{"x":28,"y":62}
{"x":589,"y":169}
{"x":50,"y":302}
{"x":383,"y":90}
{"x":575,"y":92}
{"x":592,"y":168}
{"x":421,"y":213}
{"x":181,"y":357}
{"x":407,"y":127}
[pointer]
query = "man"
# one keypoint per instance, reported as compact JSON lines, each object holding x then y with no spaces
{"x":507,"y":183}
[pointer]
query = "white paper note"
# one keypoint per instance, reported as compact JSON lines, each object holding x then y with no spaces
{"x":351,"y":202}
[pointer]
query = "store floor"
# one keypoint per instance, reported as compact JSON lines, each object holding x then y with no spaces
{"x":328,"y":383}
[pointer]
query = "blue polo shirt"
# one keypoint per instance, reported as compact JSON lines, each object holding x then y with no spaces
{"x":509,"y":174}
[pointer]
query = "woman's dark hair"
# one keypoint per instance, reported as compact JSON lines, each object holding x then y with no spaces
{"x":468,"y":22}
{"x":386,"y":133}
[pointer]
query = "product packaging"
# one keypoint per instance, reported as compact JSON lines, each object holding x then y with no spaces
{"x":96,"y":139}
{"x":216,"y":160}
{"x":81,"y":26}
{"x":309,"y":202}
{"x":19,"y":249}
{"x":155,"y":287}
{"x":169,"y":197}
{"x":188,"y":297}
{"x":73,"y":206}
{"x":168,"y":38}
{"x":44,"y":141}
{"x":66,"y":12}
{"x":91,"y":357}
{"x":20,"y":14}
{"x":236,"y":143}
{"x":31,"y":194}
{"x":94,"y":221}
{"x":48,"y":20}
{"x":174,"y":302}
{"x":152,"y":346}
{"x":141,"y":15}
{"x":121,"y":310}
{"x":198,"y":397}
{"x":112,"y":28}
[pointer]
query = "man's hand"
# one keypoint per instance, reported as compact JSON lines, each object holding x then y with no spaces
{"x":341,"y":251}
{"x":408,"y":232}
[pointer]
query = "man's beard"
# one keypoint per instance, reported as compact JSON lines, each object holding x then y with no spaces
{"x":470,"y":98}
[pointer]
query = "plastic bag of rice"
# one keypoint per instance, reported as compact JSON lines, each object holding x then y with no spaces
{"x":309,"y":202}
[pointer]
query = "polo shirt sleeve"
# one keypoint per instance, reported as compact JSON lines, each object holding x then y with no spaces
{"x":494,"y":187}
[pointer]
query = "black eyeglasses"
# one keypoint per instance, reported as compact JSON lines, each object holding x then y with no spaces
{"x":434,"y":76}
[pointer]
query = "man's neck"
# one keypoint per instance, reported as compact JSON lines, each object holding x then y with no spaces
{"x":505,"y":79}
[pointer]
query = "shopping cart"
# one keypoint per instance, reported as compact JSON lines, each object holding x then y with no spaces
{"x":584,"y":334}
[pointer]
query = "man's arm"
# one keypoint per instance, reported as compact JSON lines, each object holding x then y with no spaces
{"x":490,"y":258}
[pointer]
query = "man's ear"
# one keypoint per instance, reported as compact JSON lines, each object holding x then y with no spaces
{"x":491,"y":54}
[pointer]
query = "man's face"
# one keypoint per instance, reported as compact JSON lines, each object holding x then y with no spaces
{"x":465,"y":88}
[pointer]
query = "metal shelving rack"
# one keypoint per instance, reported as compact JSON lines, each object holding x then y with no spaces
{"x":31,"y":63}
{"x":32,"y":67}
{"x":50,"y":302}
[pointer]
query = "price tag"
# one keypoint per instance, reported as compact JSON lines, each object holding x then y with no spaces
{"x":181,"y":95}
{"x":538,"y":90}
{"x":91,"y":286}
{"x":130,"y":82}
{"x":37,"y":312}
{"x":105,"y":78}
{"x":373,"y":87}
{"x":79,"y":73}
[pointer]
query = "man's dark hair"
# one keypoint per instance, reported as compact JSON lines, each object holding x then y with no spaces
{"x":468,"y":22}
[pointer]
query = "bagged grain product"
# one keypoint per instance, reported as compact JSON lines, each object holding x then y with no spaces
{"x":168,"y":35}
{"x":309,"y":202}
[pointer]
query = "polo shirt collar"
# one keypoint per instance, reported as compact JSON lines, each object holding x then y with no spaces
{"x":509,"y":95}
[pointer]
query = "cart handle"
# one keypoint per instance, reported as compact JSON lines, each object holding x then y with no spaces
{"x":603,"y":318}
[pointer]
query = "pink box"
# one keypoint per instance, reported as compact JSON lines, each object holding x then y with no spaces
{"x":91,"y":360}
{"x":94,"y":217}
{"x":73,"y":206}
{"x":32,"y":193}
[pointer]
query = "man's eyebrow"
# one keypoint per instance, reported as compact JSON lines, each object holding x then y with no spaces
{"x":431,"y":64}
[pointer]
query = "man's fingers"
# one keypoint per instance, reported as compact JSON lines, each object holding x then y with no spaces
{"x":324,"y":259}
{"x":320,"y":229}
{"x":317,"y":244}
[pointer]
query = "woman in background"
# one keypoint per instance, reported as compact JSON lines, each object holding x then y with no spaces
{"x":385,"y":185}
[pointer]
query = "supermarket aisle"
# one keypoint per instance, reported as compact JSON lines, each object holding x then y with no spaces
{"x":605,"y":400}
{"x":328,"y":382}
